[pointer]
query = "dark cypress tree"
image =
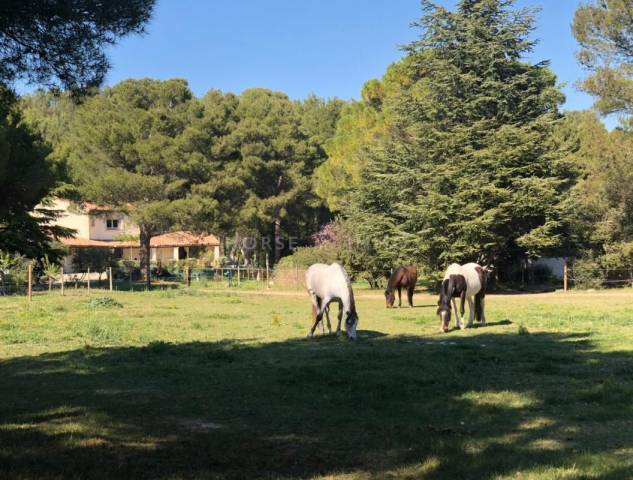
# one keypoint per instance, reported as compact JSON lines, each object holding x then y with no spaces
{"x":469,"y":164}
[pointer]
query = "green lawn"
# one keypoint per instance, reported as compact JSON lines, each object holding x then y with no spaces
{"x":205,"y":384}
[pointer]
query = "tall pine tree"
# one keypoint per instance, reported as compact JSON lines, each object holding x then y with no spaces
{"x":469,"y":165}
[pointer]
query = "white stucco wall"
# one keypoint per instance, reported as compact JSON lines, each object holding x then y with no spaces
{"x":163,"y":254}
{"x":69,"y":219}
{"x":100,"y":231}
{"x":130,"y":253}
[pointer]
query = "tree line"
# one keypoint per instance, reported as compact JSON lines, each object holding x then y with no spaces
{"x":459,"y":152}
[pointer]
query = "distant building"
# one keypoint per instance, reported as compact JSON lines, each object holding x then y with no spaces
{"x":555,"y":264}
{"x":103,"y":227}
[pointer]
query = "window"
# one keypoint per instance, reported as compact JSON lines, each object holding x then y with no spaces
{"x":112,"y":224}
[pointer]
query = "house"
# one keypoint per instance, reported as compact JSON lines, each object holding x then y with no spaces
{"x":103,"y":227}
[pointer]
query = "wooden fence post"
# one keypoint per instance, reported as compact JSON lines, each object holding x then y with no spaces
{"x":110,"y":277}
{"x":187,"y":276}
{"x":565,"y":272}
{"x":62,"y":289}
{"x":238,"y":274}
{"x":297,"y":276}
{"x":267,"y":272}
{"x":88,"y":280}
{"x":30,"y":280}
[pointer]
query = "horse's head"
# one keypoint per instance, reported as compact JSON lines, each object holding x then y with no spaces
{"x":444,"y":311}
{"x":351,"y":321}
{"x":390,"y":298}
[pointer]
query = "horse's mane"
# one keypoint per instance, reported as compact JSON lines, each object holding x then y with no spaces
{"x":393,"y":279}
{"x":446,"y":292}
{"x":352,"y":303}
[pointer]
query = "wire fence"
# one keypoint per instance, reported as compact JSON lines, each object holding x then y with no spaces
{"x":242,"y":277}
{"x":605,"y":277}
{"x":120,"y":279}
{"x":113,"y":279}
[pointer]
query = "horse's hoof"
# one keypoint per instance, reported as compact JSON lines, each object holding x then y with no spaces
{"x":310,"y":335}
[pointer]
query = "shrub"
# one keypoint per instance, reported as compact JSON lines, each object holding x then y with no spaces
{"x":336,"y":242}
{"x":587,"y":273}
{"x":303,"y":257}
{"x":104,"y":302}
{"x":13,"y":272}
{"x":125,"y":268}
{"x":542,"y":274}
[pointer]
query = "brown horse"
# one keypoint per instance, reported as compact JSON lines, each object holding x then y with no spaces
{"x":401,"y":277}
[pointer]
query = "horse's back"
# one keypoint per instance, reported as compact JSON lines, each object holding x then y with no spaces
{"x":472,"y":272}
{"x":453,"y":269}
{"x":408,"y":276}
{"x":313,"y":275}
{"x":326,"y":280}
{"x":412,"y":274}
{"x":398,"y":278}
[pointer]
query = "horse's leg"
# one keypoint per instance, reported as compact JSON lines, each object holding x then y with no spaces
{"x":340,"y":318}
{"x":317,"y":312}
{"x":410,"y":296}
{"x":471,"y":316}
{"x":318,"y":318}
{"x":399,"y":297}
{"x":329,"y":325}
{"x":480,"y":302}
{"x":322,"y":322}
{"x":458,"y":319}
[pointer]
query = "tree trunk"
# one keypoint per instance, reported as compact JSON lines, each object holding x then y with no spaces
{"x":144,"y":255}
{"x":222,"y":246}
{"x":277,"y":239}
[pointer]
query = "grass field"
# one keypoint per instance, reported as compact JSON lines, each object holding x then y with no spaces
{"x":208,"y":384}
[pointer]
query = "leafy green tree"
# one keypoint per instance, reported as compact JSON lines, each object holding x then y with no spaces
{"x":275,"y":160}
{"x":264,"y":148}
{"x":361,"y":125}
{"x":469,"y":164}
{"x":210,"y":137}
{"x":601,"y":204}
{"x":56,"y":43}
{"x":26,"y":177}
{"x":96,"y":259}
{"x":61,"y":42}
{"x":318,"y":121}
{"x":131,"y":149}
{"x":604,"y":29}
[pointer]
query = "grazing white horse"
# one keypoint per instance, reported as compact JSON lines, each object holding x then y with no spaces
{"x":467,"y":282}
{"x":326,"y":284}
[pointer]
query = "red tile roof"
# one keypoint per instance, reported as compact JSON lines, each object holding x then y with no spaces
{"x":85,"y":243}
{"x":173,"y":239}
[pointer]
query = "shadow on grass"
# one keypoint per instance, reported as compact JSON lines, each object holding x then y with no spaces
{"x":405,"y":407}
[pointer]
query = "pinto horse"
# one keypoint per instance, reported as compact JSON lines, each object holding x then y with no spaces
{"x":463,"y":281}
{"x":402,"y":277}
{"x":326,"y":284}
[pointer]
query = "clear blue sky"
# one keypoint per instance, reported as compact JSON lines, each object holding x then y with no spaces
{"x":326,"y":47}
